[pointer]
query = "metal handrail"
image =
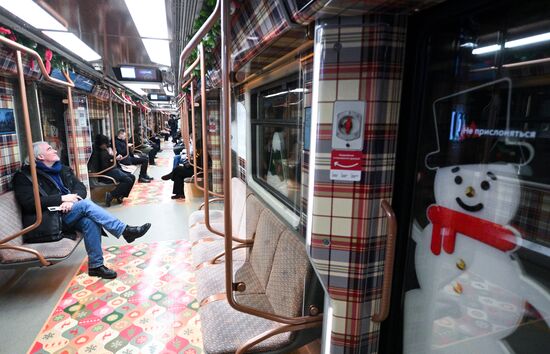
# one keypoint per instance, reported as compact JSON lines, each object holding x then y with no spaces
{"x":125,"y":119}
{"x":69,"y":84}
{"x":206,"y":192}
{"x":388,"y":263}
{"x":195,"y":167}
{"x":228,"y":224}
{"x":28,"y":134}
{"x":197,"y":38}
{"x":71,"y":121}
{"x":112,"y":123}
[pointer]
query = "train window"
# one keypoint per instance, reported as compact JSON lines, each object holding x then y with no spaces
{"x":276,"y":139}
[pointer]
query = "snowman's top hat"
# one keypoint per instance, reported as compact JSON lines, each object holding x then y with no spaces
{"x":473,"y":127}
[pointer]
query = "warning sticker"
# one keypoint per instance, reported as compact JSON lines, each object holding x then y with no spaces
{"x":345,"y":165}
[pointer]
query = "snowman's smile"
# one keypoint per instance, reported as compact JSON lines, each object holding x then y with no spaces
{"x":471,"y":208}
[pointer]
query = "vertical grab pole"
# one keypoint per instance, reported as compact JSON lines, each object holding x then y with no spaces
{"x":184,"y":117}
{"x":226,"y":119}
{"x":125,"y":127}
{"x":72,"y":124}
{"x":193,"y":134}
{"x":30,"y":150}
{"x":206,"y":190}
{"x":112,"y":120}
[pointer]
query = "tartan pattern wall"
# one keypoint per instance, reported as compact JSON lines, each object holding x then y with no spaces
{"x":318,"y":8}
{"x":361,"y":59}
{"x":254,"y":26}
{"x":10,"y":158}
{"x":83,"y":137}
{"x":8,"y":64}
{"x":306,"y":73}
{"x":214,"y":140}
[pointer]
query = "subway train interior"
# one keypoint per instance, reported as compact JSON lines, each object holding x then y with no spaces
{"x":275,"y":176}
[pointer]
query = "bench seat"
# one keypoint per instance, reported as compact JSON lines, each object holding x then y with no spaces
{"x":276,"y":272}
{"x":10,"y":219}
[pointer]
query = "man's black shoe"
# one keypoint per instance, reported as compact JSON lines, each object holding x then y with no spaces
{"x":148,"y":177}
{"x":108,"y":199}
{"x":130,"y":233}
{"x":167,"y":177}
{"x":102,"y":272}
{"x":144,"y":180}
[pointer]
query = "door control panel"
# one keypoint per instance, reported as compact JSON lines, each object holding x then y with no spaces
{"x":348,"y":125}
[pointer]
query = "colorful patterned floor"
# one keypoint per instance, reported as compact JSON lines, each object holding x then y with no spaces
{"x":149,"y":308}
{"x":156,"y":192}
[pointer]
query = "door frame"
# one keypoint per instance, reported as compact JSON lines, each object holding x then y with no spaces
{"x":419,"y":27}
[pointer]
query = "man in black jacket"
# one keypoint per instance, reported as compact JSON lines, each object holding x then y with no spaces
{"x":59,"y":187}
{"x":122,"y":149}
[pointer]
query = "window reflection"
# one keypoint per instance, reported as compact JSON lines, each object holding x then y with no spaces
{"x":276,"y":124}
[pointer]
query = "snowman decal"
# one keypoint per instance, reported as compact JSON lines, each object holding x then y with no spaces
{"x":473,"y":292}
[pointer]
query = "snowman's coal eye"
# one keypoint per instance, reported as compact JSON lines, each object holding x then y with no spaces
{"x":485,"y":185}
{"x":458,"y":180}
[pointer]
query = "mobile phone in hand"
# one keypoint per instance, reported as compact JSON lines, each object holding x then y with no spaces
{"x":54,"y":208}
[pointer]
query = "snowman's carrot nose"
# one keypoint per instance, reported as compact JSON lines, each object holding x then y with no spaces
{"x":470,"y":192}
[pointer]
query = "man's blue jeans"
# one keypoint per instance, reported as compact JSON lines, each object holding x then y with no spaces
{"x":88,"y":218}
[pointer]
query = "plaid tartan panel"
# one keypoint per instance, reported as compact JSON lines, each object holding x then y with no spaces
{"x":83,"y":137}
{"x":532,"y":219}
{"x":362,"y":60}
{"x":303,"y":12}
{"x":97,"y":109}
{"x":101,"y":93}
{"x":8,"y":64}
{"x":10,"y":159}
{"x":254,"y":26}
{"x":214,"y":141}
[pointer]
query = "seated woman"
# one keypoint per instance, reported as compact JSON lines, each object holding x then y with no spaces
{"x":180,"y":171}
{"x":102,"y":158}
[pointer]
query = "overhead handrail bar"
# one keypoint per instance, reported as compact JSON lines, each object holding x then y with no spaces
{"x":197,"y":38}
{"x":32,"y":163}
{"x":112,"y":124}
{"x":68,"y":84}
{"x":228,"y":225}
{"x":120,"y":98}
{"x":191,"y":68}
{"x":206,"y":191}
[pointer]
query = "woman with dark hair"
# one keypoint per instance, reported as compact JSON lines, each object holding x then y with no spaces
{"x":102,"y":158}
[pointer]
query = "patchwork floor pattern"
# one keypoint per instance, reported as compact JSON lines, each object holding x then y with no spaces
{"x":156,"y":192}
{"x":149,"y":308}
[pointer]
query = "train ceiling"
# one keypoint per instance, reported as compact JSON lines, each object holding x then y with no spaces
{"x":107,"y":27}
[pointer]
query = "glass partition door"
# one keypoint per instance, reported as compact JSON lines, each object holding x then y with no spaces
{"x":478,"y":273}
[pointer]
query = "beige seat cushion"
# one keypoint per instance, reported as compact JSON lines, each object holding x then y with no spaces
{"x":268,"y":231}
{"x":205,"y":251}
{"x":239,"y":193}
{"x":211,"y":279}
{"x":290,"y":269}
{"x":224,"y":329}
{"x":10,"y":219}
{"x":200,"y":231}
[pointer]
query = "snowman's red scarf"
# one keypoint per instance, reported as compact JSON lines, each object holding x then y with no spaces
{"x":446,"y":223}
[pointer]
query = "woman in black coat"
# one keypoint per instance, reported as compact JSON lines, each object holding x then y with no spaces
{"x":101,"y":159}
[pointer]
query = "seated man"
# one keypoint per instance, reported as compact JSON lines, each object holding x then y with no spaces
{"x":178,"y":175}
{"x":101,"y":159}
{"x":122,"y":148}
{"x":59,"y":187}
{"x":144,"y":145}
